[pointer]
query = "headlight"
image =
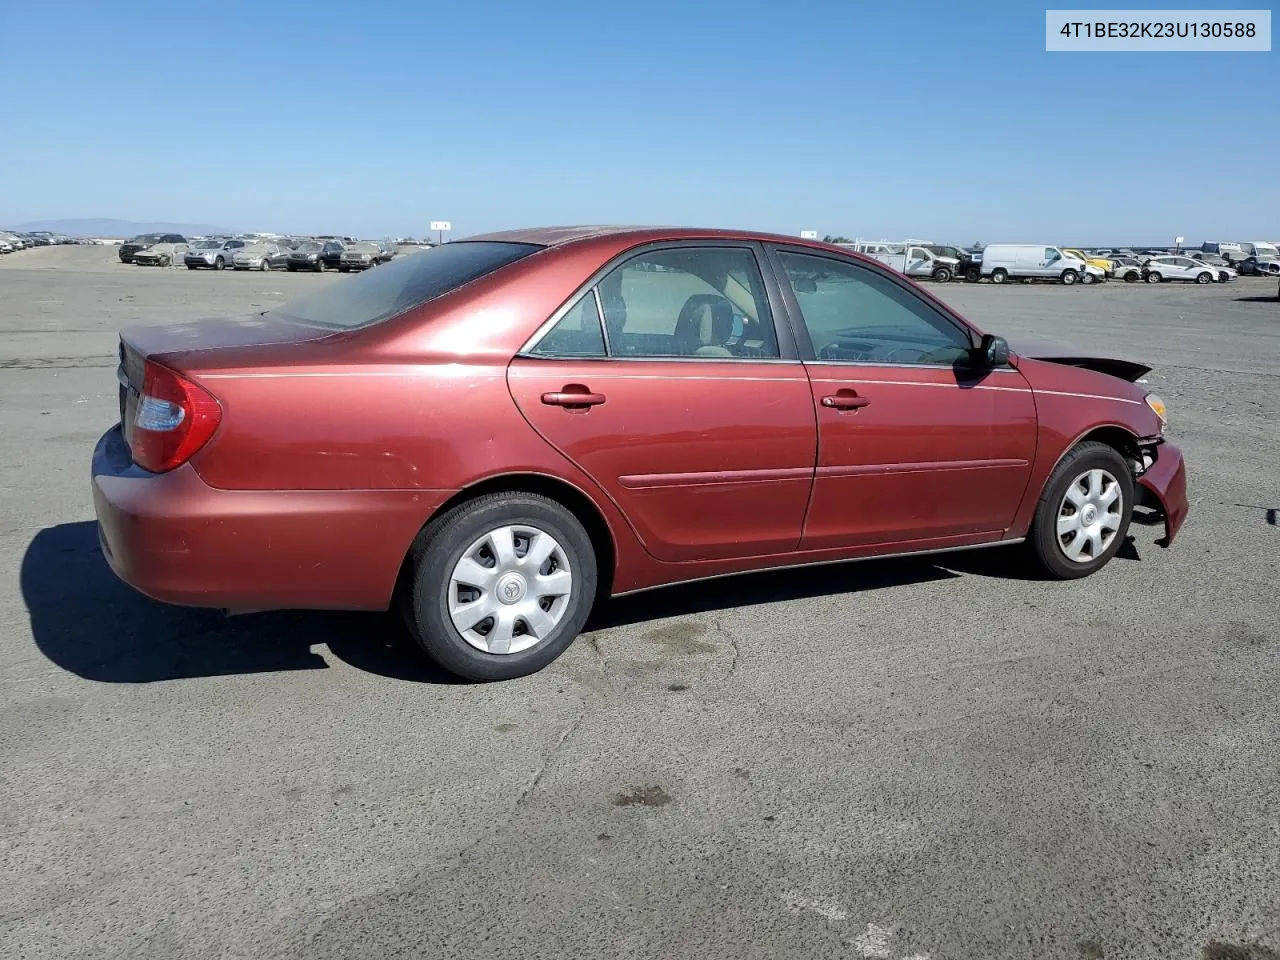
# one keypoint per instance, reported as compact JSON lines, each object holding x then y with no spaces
{"x":1156,"y":404}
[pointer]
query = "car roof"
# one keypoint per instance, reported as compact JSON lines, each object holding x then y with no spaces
{"x":558,"y":236}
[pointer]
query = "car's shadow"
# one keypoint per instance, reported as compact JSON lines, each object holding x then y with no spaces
{"x":85,"y":620}
{"x":1271,"y":299}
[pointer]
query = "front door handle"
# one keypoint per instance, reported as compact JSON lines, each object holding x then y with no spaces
{"x":845,"y":400}
{"x":573,"y":396}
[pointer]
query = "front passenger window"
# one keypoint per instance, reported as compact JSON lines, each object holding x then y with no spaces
{"x":855,"y":314}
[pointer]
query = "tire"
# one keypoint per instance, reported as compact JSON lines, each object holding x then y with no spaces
{"x":291,"y":268}
{"x":999,"y":276}
{"x":973,"y":274}
{"x":1069,"y":277}
{"x":266,"y":265}
{"x":1088,"y":278}
{"x":1204,"y":277}
{"x":1154,"y":277}
{"x":319,"y":266}
{"x":942,"y":275}
{"x":1132,"y":277}
{"x":1079,"y":471}
{"x":191,"y":266}
{"x":219,"y":264}
{"x":343,"y":268}
{"x":469,"y":530}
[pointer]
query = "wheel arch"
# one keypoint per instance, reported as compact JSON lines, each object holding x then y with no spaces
{"x":563,"y":492}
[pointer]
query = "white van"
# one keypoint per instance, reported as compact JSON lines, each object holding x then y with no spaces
{"x":914,"y":261}
{"x":1260,"y":249}
{"x":1003,"y":261}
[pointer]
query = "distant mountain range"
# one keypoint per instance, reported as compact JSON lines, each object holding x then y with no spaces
{"x":118,"y":228}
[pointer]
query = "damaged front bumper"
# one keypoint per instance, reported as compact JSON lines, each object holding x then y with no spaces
{"x":1162,"y":489}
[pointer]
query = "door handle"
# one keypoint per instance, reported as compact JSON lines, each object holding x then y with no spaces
{"x":845,"y":400}
{"x":573,"y":395}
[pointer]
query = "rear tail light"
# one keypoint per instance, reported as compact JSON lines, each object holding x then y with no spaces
{"x":174,"y":419}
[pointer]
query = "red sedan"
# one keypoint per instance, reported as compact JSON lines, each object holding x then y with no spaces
{"x":496,"y":432}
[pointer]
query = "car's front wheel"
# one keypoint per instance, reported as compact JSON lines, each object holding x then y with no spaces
{"x":1204,"y":277}
{"x":501,"y":585}
{"x":1084,"y":511}
{"x":266,"y":265}
{"x":1069,"y":277}
{"x":1154,"y":277}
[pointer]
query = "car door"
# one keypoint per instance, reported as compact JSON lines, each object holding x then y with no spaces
{"x":683,"y":405}
{"x":1050,"y":263}
{"x":916,"y":448}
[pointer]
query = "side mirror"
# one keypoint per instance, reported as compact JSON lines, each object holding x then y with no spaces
{"x":993,"y":352}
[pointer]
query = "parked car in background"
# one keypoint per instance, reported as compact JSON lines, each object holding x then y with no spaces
{"x":1159,"y":269}
{"x":215,"y":254}
{"x":142,"y":241}
{"x":9,"y":243}
{"x":161,"y":254}
{"x":912,"y":259}
{"x":1127,"y":269}
{"x":364,"y":254}
{"x":894,"y":426}
{"x":262,"y":256}
{"x":1104,"y":264}
{"x":316,"y":255}
{"x":1224,"y":270}
{"x":967,"y":265}
{"x":1008,"y":261}
{"x":1253,"y":266}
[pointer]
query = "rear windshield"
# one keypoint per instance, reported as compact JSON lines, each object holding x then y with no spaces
{"x":377,"y":295}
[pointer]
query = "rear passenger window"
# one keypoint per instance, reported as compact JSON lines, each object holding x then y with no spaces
{"x":577,"y":334}
{"x":697,"y":302}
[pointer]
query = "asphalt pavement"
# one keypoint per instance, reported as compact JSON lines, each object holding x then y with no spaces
{"x":940,"y":758}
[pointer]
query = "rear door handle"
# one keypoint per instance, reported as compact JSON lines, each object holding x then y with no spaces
{"x":573,"y":395}
{"x":845,"y":401}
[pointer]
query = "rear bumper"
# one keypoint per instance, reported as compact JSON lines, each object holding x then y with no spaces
{"x":1165,"y":488}
{"x":176,"y":539}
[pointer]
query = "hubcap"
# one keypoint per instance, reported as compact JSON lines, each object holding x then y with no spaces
{"x":510,"y":589}
{"x":1089,"y":516}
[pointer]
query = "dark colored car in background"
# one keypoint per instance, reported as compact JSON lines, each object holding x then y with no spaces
{"x":317,"y":255}
{"x":970,"y":267}
{"x":145,"y":240}
{"x":493,"y":434}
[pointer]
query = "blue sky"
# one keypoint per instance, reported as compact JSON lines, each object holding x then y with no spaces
{"x":946,"y":120}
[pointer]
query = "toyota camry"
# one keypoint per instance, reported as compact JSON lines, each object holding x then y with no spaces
{"x":494,"y":434}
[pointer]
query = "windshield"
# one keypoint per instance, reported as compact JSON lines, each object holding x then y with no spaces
{"x":364,"y":248}
{"x":309,"y":246}
{"x":146,"y":238}
{"x":207,"y":245}
{"x":377,"y":295}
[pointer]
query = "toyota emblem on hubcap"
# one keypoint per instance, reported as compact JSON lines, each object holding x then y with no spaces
{"x":511,"y":588}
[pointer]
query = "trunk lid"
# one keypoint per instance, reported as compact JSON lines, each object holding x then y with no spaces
{"x":178,"y":345}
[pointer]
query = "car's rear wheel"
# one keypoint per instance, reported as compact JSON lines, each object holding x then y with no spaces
{"x":501,"y":586}
{"x":999,"y":276}
{"x":1069,"y":277}
{"x":1204,"y":277}
{"x":1084,"y":511}
{"x":1154,"y":277}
